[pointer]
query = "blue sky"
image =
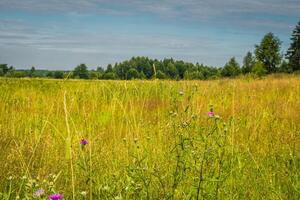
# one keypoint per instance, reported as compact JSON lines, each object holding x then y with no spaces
{"x":60,"y":34}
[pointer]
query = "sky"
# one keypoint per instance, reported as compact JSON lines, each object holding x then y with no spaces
{"x":60,"y":34}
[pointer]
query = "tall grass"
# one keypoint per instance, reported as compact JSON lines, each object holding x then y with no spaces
{"x":150,"y":139}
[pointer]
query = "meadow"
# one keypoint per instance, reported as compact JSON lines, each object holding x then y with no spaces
{"x":219,"y":139}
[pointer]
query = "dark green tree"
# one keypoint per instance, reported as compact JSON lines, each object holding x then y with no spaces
{"x":58,"y":74}
{"x":142,"y":75}
{"x":100,"y":70}
{"x":109,"y":68}
{"x":248,"y":63}
{"x":16,"y":74}
{"x":171,"y":70}
{"x":81,"y":72}
{"x":32,"y":72}
{"x":181,"y":68}
{"x":285,"y":67}
{"x":49,"y":74}
{"x":232,"y":68}
{"x":132,"y":74}
{"x":268,"y":52}
{"x":293,"y":53}
{"x":109,"y":76}
{"x":3,"y":69}
{"x":160,"y":75}
{"x":94,"y":74}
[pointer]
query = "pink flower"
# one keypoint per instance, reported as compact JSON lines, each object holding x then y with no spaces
{"x":83,"y":142}
{"x":55,"y":196}
{"x":211,"y":114}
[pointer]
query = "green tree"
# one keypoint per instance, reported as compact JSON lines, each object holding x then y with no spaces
{"x":160,"y":75}
{"x":3,"y":69}
{"x":109,"y":68}
{"x":268,"y":52}
{"x":49,"y":74}
{"x":259,"y":69}
{"x":132,"y":74}
{"x":285,"y":67}
{"x":293,"y":53}
{"x":16,"y":74}
{"x":94,"y":74}
{"x":32,"y":71}
{"x":248,"y":63}
{"x":81,"y":72}
{"x":109,"y":76}
{"x":181,"y":68}
{"x":171,"y":70}
{"x":58,"y":74}
{"x":100,"y":70}
{"x":142,"y":75}
{"x":232,"y":68}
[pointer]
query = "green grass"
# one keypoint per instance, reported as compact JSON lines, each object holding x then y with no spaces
{"x":150,"y":139}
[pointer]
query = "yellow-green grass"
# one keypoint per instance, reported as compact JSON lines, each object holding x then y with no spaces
{"x":151,"y":139}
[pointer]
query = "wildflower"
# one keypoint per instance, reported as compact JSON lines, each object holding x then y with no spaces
{"x":38,"y":193}
{"x":106,"y":188}
{"x":83,"y":142}
{"x":55,"y":196}
{"x":211,"y":114}
{"x":83,"y":193}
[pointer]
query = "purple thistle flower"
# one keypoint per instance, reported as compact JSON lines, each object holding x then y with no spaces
{"x":211,"y":114}
{"x":55,"y":196}
{"x":38,"y":193}
{"x":83,"y":142}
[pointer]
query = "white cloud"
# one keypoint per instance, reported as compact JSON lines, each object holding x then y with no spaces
{"x":39,"y":44}
{"x":196,"y":8}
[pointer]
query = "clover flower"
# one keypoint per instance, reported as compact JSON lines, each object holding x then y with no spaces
{"x":211,"y":114}
{"x":38,"y":193}
{"x":55,"y":196}
{"x":83,"y":142}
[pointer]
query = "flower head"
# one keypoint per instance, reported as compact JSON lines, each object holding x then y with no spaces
{"x":38,"y":193}
{"x":83,"y":142}
{"x":83,"y":193}
{"x":211,"y":114}
{"x":55,"y":196}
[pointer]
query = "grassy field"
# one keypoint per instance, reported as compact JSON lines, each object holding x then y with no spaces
{"x":150,"y":139}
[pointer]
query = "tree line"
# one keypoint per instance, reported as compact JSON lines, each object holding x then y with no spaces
{"x":266,"y":58}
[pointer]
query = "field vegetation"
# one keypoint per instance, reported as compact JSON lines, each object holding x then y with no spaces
{"x":218,"y":139}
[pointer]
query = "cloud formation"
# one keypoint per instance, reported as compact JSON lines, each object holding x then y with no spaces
{"x":99,"y":32}
{"x":193,"y":8}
